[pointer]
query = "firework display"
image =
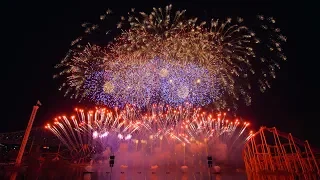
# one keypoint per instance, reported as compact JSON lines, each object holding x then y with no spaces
{"x":155,"y":72}
{"x":153,"y":82}
{"x":166,"y":57}
{"x":161,"y":127}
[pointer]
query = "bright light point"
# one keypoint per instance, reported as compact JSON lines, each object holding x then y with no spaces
{"x":95,"y":134}
{"x":120,"y":136}
{"x":163,"y":72}
{"x":105,"y":134}
{"x":128,"y":137}
{"x":108,"y":87}
{"x":198,"y":81}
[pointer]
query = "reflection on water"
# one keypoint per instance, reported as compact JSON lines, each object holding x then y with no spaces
{"x":189,"y":176}
{"x":105,"y":173}
{"x":160,"y":174}
{"x":163,"y":176}
{"x":130,"y":174}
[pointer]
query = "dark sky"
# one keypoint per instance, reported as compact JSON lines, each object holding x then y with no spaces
{"x":36,"y":36}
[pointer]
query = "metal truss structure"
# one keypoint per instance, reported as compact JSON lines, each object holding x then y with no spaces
{"x":38,"y":136}
{"x":271,"y":152}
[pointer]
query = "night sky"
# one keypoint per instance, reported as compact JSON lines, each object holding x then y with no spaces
{"x":36,"y":36}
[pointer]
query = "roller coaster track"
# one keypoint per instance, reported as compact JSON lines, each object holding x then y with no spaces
{"x":296,"y":140}
{"x":280,"y":152}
